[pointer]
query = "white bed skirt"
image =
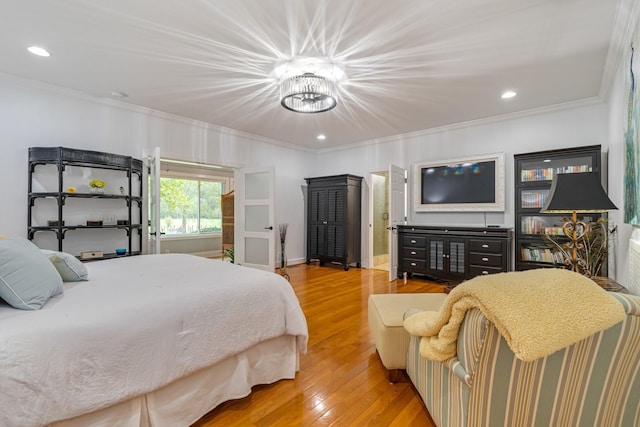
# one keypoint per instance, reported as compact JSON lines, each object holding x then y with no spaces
{"x":187,"y":399}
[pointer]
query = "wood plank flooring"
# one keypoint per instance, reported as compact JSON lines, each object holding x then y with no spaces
{"x":341,"y":380}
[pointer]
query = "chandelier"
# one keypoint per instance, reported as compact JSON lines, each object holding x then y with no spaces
{"x":308,"y":93}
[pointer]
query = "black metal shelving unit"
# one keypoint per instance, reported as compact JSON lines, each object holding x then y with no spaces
{"x":63,"y":158}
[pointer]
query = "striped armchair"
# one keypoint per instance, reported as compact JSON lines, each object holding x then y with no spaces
{"x":594,"y":382}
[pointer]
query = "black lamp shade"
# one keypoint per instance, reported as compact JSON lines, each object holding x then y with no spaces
{"x":577,"y":192}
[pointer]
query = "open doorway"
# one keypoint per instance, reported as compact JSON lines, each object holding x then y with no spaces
{"x":190,"y":215}
{"x":380,"y":220}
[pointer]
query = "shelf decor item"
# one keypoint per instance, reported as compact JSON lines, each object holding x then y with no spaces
{"x":96,"y":186}
{"x":573,"y":193}
{"x":283,"y":254}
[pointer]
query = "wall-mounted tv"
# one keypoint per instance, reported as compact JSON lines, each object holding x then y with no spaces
{"x":465,"y":184}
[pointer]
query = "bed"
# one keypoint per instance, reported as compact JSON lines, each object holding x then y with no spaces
{"x":150,"y":340}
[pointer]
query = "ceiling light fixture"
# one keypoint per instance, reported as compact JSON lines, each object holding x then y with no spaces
{"x":308,"y":93}
{"x":308,"y":84}
{"x":508,"y":94}
{"x":321,"y":137}
{"x":38,"y":51}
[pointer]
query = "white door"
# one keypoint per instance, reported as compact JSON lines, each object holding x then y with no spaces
{"x":396,"y":215}
{"x":153,"y":191}
{"x":254,"y":235}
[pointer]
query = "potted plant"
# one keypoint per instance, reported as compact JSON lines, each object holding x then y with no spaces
{"x":592,"y":248}
{"x":228,"y":253}
{"x":96,"y":186}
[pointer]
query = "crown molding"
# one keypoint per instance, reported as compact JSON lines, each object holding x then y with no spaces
{"x":624,"y":24}
{"x":73,"y":93}
{"x":77,"y":94}
{"x":471,"y":123}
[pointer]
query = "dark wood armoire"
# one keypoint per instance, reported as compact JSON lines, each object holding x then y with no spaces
{"x":333,"y":219}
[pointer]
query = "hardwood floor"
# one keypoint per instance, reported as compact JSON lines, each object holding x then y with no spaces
{"x":341,"y":380}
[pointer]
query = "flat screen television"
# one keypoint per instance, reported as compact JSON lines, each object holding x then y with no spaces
{"x":465,"y":184}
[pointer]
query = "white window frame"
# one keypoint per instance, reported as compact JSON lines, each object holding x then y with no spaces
{"x":226,"y":185}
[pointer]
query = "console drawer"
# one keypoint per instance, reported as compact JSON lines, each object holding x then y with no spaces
{"x":414,"y":265}
{"x":489,"y":260}
{"x":414,"y":241}
{"x":485,"y":246}
{"x":476,"y":270}
{"x":414,"y":253}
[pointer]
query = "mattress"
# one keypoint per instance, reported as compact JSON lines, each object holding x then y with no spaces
{"x":137,"y":325}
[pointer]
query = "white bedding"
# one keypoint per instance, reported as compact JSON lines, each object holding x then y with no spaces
{"x":136,"y":325}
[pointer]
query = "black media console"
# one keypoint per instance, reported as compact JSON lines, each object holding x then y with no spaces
{"x":453,"y":253}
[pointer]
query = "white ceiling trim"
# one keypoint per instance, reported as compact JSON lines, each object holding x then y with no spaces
{"x":627,"y":14}
{"x":73,"y":93}
{"x":473,"y":123}
{"x":411,"y":65}
{"x":28,"y":83}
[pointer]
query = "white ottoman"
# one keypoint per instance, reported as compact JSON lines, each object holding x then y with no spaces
{"x":385,"y":322}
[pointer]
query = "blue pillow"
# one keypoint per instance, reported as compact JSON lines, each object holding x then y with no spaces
{"x":27,"y":279}
{"x":70,"y":268}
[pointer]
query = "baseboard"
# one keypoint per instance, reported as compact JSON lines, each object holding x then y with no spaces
{"x":209,"y":254}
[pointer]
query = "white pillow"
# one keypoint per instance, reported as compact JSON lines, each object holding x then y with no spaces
{"x":27,"y":279}
{"x":71,"y":269}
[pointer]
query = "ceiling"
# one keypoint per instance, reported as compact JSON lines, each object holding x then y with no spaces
{"x":410,"y":64}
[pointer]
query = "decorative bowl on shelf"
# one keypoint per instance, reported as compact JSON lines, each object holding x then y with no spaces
{"x":121,"y":251}
{"x":96,"y":186}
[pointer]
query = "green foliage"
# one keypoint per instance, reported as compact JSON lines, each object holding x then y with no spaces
{"x":186,"y":202}
{"x":592,"y":249}
{"x":228,"y":253}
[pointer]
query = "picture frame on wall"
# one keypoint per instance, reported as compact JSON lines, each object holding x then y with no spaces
{"x":632,"y":135}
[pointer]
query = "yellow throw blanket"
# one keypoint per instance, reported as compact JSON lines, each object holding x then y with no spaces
{"x":537,"y":312}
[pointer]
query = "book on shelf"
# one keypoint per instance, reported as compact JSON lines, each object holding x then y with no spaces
{"x":541,"y":255}
{"x":547,"y":174}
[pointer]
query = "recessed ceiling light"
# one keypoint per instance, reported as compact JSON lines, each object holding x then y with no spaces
{"x":38,"y":51}
{"x":321,"y":137}
{"x":508,"y":94}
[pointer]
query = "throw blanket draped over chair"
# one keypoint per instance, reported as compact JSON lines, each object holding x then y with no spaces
{"x":529,"y":308}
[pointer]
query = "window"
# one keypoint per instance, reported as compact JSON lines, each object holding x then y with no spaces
{"x":190,"y":206}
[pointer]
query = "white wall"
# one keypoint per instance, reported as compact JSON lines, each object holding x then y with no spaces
{"x":573,"y":125}
{"x":36,"y":114}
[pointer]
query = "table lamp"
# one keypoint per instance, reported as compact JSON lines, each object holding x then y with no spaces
{"x":573,"y":193}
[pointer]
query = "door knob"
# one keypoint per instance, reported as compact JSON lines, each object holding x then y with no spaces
{"x":268,"y":228}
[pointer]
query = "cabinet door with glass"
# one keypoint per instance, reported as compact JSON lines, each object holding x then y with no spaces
{"x":534,"y":173}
